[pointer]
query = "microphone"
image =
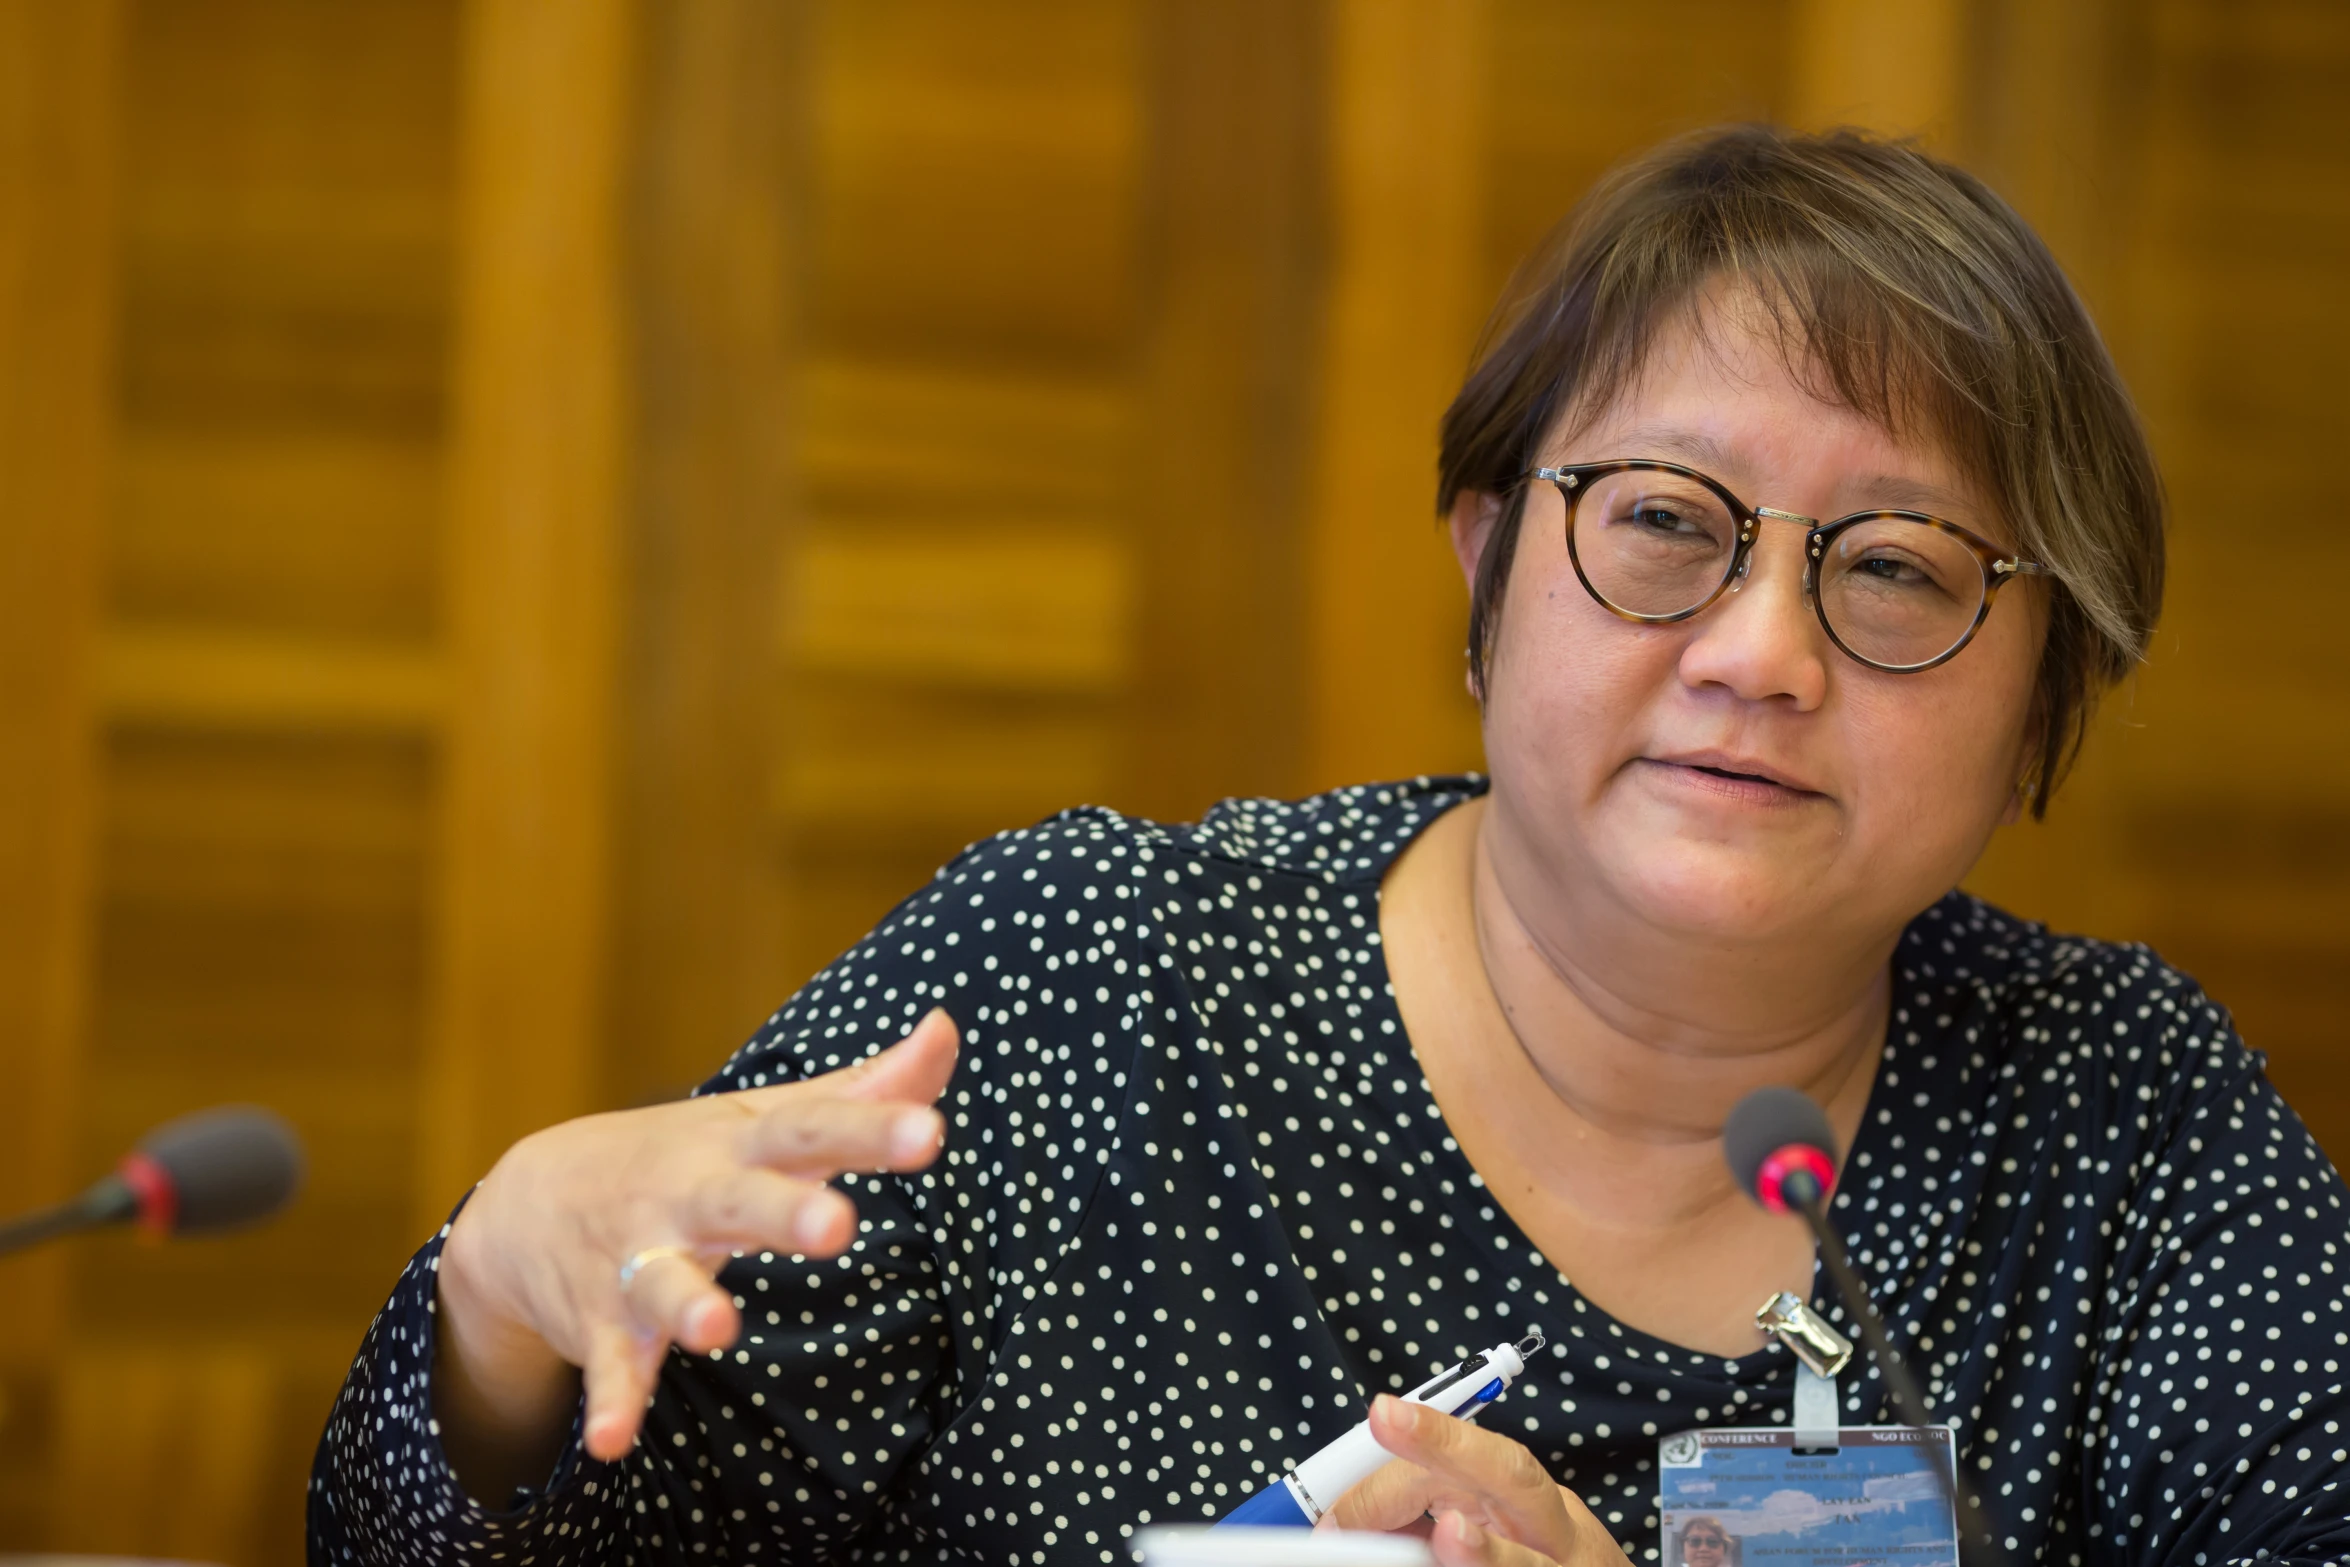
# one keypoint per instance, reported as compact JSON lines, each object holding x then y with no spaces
{"x":1783,"y":1152}
{"x":216,"y":1170}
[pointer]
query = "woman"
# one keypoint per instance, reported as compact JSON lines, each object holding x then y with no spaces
{"x":1704,"y":1543}
{"x":1241,"y":1123}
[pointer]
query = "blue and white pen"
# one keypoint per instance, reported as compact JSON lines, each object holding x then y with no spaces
{"x":1299,"y":1498}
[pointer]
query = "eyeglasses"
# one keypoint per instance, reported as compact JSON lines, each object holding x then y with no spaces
{"x":1700,"y":1542}
{"x":1900,"y":591}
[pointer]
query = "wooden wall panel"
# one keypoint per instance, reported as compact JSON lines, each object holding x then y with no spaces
{"x":1575,"y":94}
{"x":699,"y":897}
{"x":2208,"y":815}
{"x":955,"y":607}
{"x":261,"y":938}
{"x":975,"y":180}
{"x":57,"y":74}
{"x":1385,"y":601}
{"x":128,"y":1408}
{"x":267,"y":687}
{"x":535,"y":501}
{"x":2235,"y":804}
{"x":1235,"y":240}
{"x":286,"y":227}
{"x":303,"y":532}
{"x":1050,"y":429}
{"x":1898,"y":69}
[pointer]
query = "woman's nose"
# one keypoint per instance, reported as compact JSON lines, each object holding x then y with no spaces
{"x":1761,"y":640}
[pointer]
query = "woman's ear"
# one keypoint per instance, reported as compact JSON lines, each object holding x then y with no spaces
{"x":1474,"y":513}
{"x":2016,"y":802}
{"x":2031,"y":760}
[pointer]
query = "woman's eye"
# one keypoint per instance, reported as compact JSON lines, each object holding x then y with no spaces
{"x":1894,"y":570}
{"x":1661,"y":519}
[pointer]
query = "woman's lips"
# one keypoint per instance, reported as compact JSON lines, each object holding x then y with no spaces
{"x":1724,"y":782}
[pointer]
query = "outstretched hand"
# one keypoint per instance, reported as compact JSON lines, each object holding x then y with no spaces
{"x":592,"y":1246}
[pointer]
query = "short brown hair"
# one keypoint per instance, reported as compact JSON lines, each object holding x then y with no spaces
{"x":1912,"y":295}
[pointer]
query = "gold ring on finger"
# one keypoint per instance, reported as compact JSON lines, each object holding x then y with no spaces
{"x":642,"y":1260}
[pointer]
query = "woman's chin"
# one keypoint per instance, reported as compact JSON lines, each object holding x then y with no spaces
{"x":1718,"y":892}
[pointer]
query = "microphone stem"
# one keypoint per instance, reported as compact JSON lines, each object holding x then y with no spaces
{"x":34,"y":1228}
{"x":1907,"y":1401}
{"x":107,"y":1202}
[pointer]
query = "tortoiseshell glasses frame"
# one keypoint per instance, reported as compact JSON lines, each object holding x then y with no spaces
{"x":1995,"y":567}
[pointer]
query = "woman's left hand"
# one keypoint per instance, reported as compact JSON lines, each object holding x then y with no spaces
{"x":1478,"y":1498}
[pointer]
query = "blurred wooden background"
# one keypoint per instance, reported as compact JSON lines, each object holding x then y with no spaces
{"x":524,"y":527}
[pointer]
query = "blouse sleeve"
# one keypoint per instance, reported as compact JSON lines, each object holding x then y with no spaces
{"x":2222,"y":1427}
{"x":803,"y":1435}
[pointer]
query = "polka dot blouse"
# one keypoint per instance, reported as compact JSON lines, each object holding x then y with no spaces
{"x":1197,"y":1204}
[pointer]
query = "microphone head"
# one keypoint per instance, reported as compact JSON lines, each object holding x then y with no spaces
{"x":215,"y":1170}
{"x":1772,"y":1134}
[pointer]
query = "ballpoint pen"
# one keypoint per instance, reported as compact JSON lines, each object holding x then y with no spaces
{"x":1299,"y":1498}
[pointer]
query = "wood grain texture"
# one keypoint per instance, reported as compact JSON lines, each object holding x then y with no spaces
{"x":266,"y":699}
{"x":2209,"y":818}
{"x":237,"y":679}
{"x":1386,"y":604}
{"x":1235,"y":227}
{"x":958,"y":599}
{"x":700,"y":892}
{"x":535,"y":498}
{"x":2237,"y":807}
{"x":128,"y":1409}
{"x":58,"y":70}
{"x":976,"y":171}
{"x":1895,"y":69}
{"x":286,"y":225}
{"x":261,"y":937}
{"x":1543,"y":149}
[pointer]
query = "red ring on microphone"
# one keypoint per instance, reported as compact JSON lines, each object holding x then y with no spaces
{"x":1783,"y":1162}
{"x":159,"y":1198}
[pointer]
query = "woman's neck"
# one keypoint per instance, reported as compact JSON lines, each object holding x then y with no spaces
{"x":1586,"y":1064}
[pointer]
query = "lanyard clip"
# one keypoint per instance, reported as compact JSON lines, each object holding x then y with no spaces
{"x":1788,"y":1317}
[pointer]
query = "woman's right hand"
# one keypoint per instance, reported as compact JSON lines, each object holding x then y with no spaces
{"x":531,"y":1296}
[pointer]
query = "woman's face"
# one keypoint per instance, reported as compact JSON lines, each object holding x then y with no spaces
{"x":1702,"y":1545}
{"x":1735,"y":776}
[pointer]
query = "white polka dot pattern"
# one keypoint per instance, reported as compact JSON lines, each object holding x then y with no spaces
{"x":1197,"y":1203}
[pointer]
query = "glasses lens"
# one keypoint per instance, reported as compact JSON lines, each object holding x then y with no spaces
{"x":1654,"y":544}
{"x":1898,"y":592}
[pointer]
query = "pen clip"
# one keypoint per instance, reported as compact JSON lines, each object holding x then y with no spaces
{"x":1448,"y":1375}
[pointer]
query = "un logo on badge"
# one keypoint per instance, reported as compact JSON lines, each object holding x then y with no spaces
{"x":1681,"y":1449}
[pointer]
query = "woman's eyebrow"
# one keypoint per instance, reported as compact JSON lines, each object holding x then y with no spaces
{"x":1694,"y":447}
{"x":1901,"y":492}
{"x":1711,"y":455}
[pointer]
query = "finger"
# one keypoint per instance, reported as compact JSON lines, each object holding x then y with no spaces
{"x":622,"y":1367}
{"x":1518,"y":1494}
{"x":1458,"y":1541}
{"x":822,"y":1137}
{"x":747,"y":1210}
{"x":1396,"y":1495}
{"x":912,"y":1071}
{"x":670,"y":1298}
